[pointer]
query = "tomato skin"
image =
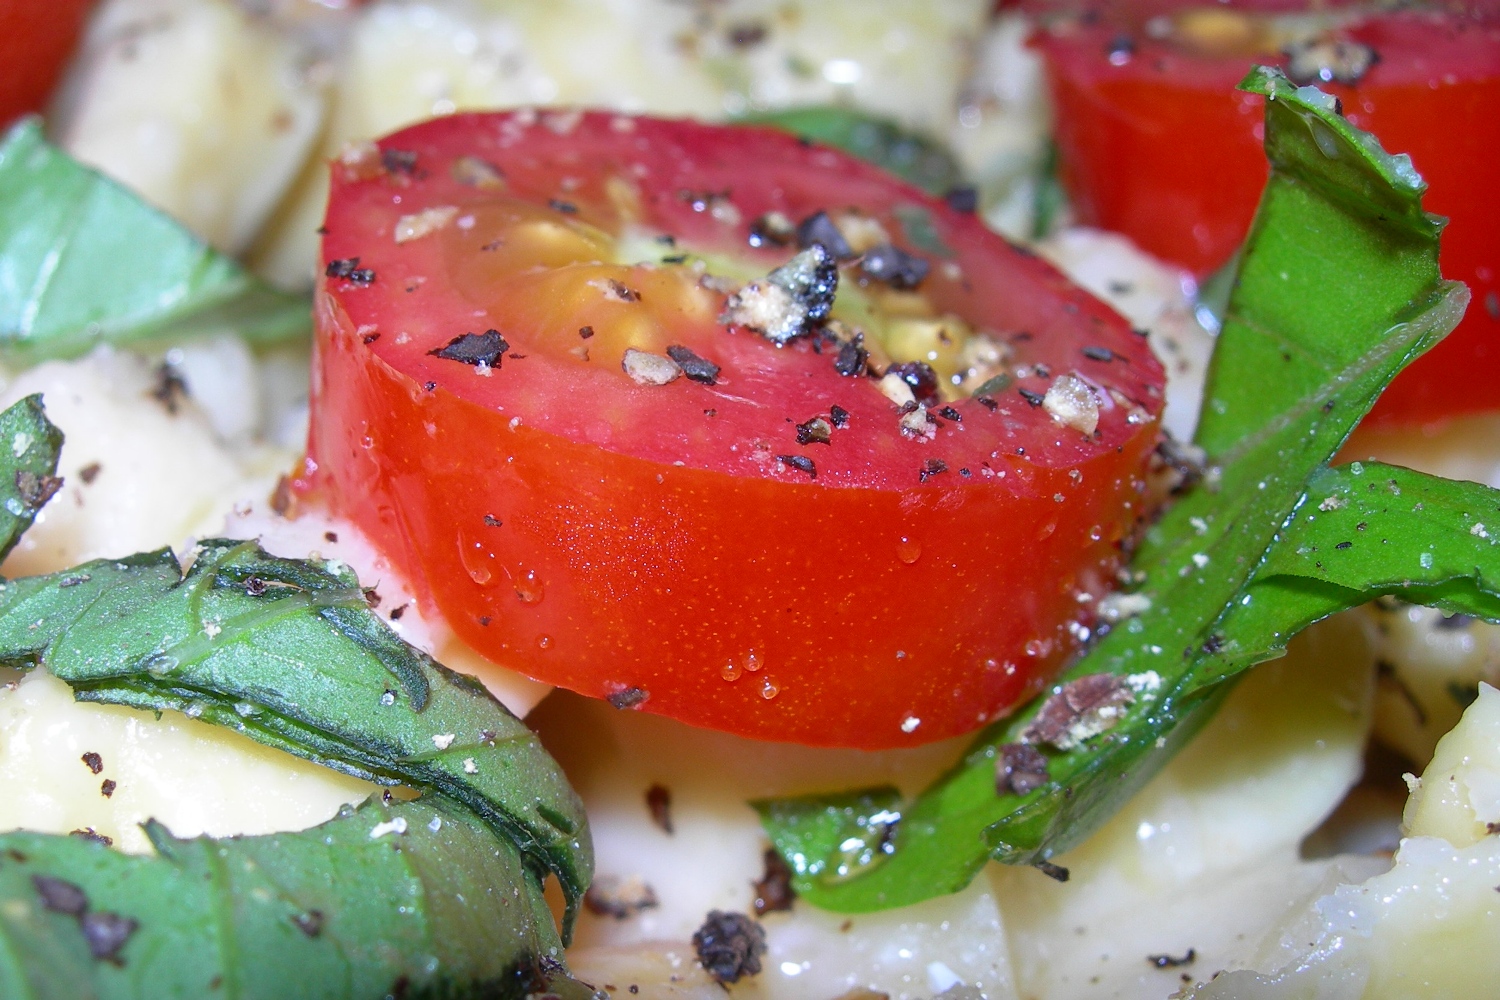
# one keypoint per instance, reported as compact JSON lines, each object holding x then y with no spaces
{"x":1435,"y":93}
{"x":35,"y":42}
{"x":863,"y":608}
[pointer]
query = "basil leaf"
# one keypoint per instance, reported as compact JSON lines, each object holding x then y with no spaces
{"x":880,"y":141}
{"x":1338,"y":289}
{"x":288,"y":653}
{"x":83,"y":261}
{"x":407,"y":899}
{"x":29,"y":447}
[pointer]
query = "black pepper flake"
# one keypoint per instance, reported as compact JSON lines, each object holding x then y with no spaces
{"x":1020,"y":769}
{"x":1343,"y":545}
{"x":1171,"y":962}
{"x":106,"y":933}
{"x":585,"y":332}
{"x":744,"y":36}
{"x":659,"y":804}
{"x":949,"y":413}
{"x":932,"y":467}
{"x":370,"y":338}
{"x":396,"y":613}
{"x":1082,"y":708}
{"x":282,"y":499}
{"x":623,"y":292}
{"x":107,"y":787}
{"x":838,"y":415}
{"x":1098,"y":354}
{"x":484,"y":620}
{"x":729,"y":946}
{"x":697,"y":369}
{"x":819,"y":229}
{"x":773,"y":891}
{"x":799,"y":462}
{"x":1120,"y":49}
{"x":1052,"y":871}
{"x":93,"y":762}
{"x":429,"y":386}
{"x":987,"y":403}
{"x":398,"y":161}
{"x":59,"y":896}
{"x":309,"y":923}
{"x":851,"y":359}
{"x":894,"y":267}
{"x":349,"y":270}
{"x":565,"y":207}
{"x":675,"y":258}
{"x":169,"y":389}
{"x":254,"y":586}
{"x":629,"y":697}
{"x":814,"y":431}
{"x":963,"y":199}
{"x":89,"y":473}
{"x":1034,"y":398}
{"x":90,"y":834}
{"x":922,"y":379}
{"x":1213,"y":644}
{"x":492,"y":521}
{"x":474,"y":349}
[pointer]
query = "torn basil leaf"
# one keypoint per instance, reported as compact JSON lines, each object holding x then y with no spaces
{"x":877,"y":140}
{"x":87,"y":262}
{"x":287,"y":652}
{"x":402,"y":899}
{"x":29,"y":447}
{"x":1338,"y":289}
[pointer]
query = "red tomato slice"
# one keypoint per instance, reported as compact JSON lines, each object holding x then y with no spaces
{"x":1157,"y":144}
{"x":35,"y":41}
{"x":688,"y":548}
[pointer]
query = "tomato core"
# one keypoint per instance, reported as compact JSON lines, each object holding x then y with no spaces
{"x":541,"y":394}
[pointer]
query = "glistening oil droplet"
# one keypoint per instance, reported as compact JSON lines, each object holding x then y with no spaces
{"x":730,"y":671}
{"x":769,"y":689}
{"x":908,"y":550}
{"x":529,"y":589}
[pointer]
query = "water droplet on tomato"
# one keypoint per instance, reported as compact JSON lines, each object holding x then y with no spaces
{"x":528,"y":586}
{"x":908,"y":550}
{"x":1096,"y":533}
{"x":769,"y":689}
{"x":1038,"y":647}
{"x":752,"y":661}
{"x":544,"y":642}
{"x":478,"y":561}
{"x":730,"y":671}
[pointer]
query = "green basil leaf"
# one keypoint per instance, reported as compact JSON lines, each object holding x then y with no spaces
{"x":288,"y":653}
{"x":29,"y":447}
{"x":87,"y":262}
{"x":1338,"y":289}
{"x":406,"y":899}
{"x":880,"y":141}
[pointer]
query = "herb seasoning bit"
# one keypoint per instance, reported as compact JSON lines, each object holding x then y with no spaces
{"x":309,"y":923}
{"x":89,"y":473}
{"x":1079,"y":710}
{"x":477,"y":349}
{"x":1052,"y":871}
{"x":799,"y":462}
{"x":987,"y":403}
{"x":1169,"y":962}
{"x":619,"y":898}
{"x":730,"y":946}
{"x":106,"y":933}
{"x":630,"y":697}
{"x":491,"y":521}
{"x":815,"y":431}
{"x":773,"y":891}
{"x":659,"y":804}
{"x":90,"y":834}
{"x":60,"y":896}
{"x":169,"y":389}
{"x":107,"y":788}
{"x":93,"y":761}
{"x":1071,"y":403}
{"x":789,"y":301}
{"x":894,"y":267}
{"x":1020,"y":769}
{"x":645,"y":368}
{"x":349,"y":270}
{"x":819,"y":230}
{"x":932,"y":467}
{"x":696,"y":368}
{"x":838,"y":415}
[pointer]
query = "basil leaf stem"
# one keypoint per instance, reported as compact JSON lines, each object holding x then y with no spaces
{"x":1338,"y":289}
{"x":88,"y":262}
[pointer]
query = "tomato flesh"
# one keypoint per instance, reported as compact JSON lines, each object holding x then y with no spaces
{"x":677,"y":548}
{"x":1156,"y":143}
{"x":35,"y":42}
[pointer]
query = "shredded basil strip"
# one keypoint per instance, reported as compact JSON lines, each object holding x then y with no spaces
{"x":1338,"y":289}
{"x":880,"y":141}
{"x":83,"y":261}
{"x":402,"y":899}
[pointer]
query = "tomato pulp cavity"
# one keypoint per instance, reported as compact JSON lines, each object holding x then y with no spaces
{"x":546,"y":378}
{"x":1156,"y":143}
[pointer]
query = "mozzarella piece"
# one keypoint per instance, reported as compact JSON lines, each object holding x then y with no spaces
{"x":193,"y":777}
{"x":137,"y":475}
{"x":202,"y":108}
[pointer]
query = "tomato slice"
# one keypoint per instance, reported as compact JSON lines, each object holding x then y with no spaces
{"x":1156,"y":143}
{"x":765,"y":544}
{"x":35,"y":42}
